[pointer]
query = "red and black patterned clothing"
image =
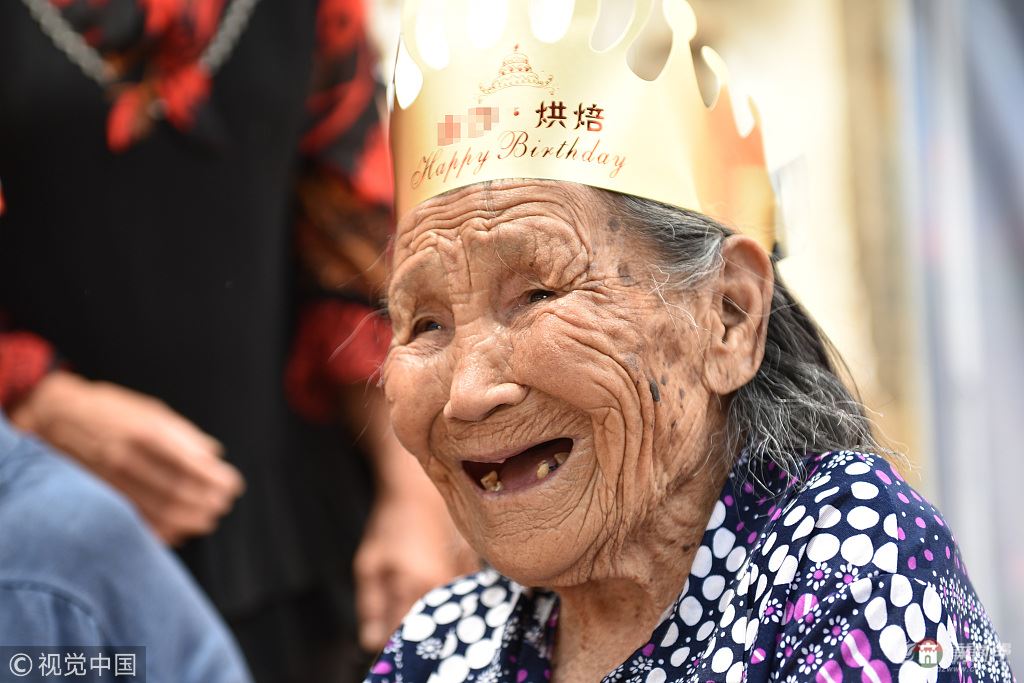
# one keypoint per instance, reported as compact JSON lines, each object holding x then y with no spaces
{"x":160,"y":256}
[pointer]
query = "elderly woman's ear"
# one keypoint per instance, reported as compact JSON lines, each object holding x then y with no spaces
{"x":740,"y":303}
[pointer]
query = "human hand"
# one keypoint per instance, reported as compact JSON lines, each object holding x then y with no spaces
{"x":165,"y":465}
{"x":410,"y":546}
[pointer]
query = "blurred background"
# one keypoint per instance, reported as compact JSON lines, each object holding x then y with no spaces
{"x":895,"y":127}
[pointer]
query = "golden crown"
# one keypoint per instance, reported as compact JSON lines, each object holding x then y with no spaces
{"x":522,"y":107}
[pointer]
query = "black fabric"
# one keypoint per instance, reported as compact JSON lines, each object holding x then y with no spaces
{"x":304,"y":630}
{"x":168,"y":269}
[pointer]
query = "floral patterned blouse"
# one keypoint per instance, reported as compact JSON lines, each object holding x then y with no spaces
{"x":849,"y":576}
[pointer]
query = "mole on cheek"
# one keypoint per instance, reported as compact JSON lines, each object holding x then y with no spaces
{"x":654,"y":391}
{"x":672,"y":351}
{"x":624,"y":274}
{"x":682,"y":394}
{"x":614,"y":225}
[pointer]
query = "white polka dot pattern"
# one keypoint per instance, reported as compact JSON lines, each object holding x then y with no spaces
{"x":848,"y":576}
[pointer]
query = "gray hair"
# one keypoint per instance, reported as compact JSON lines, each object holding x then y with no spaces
{"x":797,"y":403}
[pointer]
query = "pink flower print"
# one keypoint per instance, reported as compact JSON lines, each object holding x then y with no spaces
{"x":784,"y":650}
{"x":836,"y":630}
{"x":817,"y":575}
{"x":772,"y":610}
{"x":846,"y":574}
{"x":810,"y":658}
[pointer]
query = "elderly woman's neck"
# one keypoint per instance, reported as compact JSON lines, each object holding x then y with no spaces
{"x":604,"y":620}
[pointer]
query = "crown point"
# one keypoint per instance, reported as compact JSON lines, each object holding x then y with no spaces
{"x":486,"y":92}
{"x":716,"y":64}
{"x":681,"y":18}
{"x":408,"y":77}
{"x":755,"y":115}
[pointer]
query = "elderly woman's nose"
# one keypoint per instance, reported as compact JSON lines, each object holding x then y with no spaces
{"x":477,"y":391}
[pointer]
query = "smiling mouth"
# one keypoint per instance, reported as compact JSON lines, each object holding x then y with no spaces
{"x":522,"y":470}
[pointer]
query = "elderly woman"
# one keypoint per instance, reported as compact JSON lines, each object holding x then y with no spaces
{"x":629,"y":416}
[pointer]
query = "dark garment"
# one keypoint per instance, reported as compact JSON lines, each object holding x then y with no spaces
{"x":79,"y":568}
{"x":848,"y":576}
{"x":167,"y":268}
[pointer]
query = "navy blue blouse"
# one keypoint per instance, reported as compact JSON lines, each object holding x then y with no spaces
{"x":849,"y":575}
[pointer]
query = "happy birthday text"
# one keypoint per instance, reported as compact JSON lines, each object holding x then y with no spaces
{"x":442,"y":165}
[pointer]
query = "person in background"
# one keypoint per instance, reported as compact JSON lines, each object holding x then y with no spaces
{"x":196,"y":201}
{"x":78,"y":567}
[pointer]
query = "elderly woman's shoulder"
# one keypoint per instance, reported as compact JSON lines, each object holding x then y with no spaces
{"x":851,"y":556}
{"x":857,"y":506}
{"x":458,"y":627}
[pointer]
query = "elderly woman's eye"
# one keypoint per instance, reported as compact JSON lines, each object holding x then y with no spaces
{"x":540,"y":295}
{"x":426,"y":325}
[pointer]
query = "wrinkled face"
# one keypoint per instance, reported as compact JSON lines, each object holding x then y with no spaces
{"x":548,"y":387}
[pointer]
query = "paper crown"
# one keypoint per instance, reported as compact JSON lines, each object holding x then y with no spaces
{"x":521,"y":107}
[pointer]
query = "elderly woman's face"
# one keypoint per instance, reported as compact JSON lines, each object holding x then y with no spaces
{"x":551,"y":390}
